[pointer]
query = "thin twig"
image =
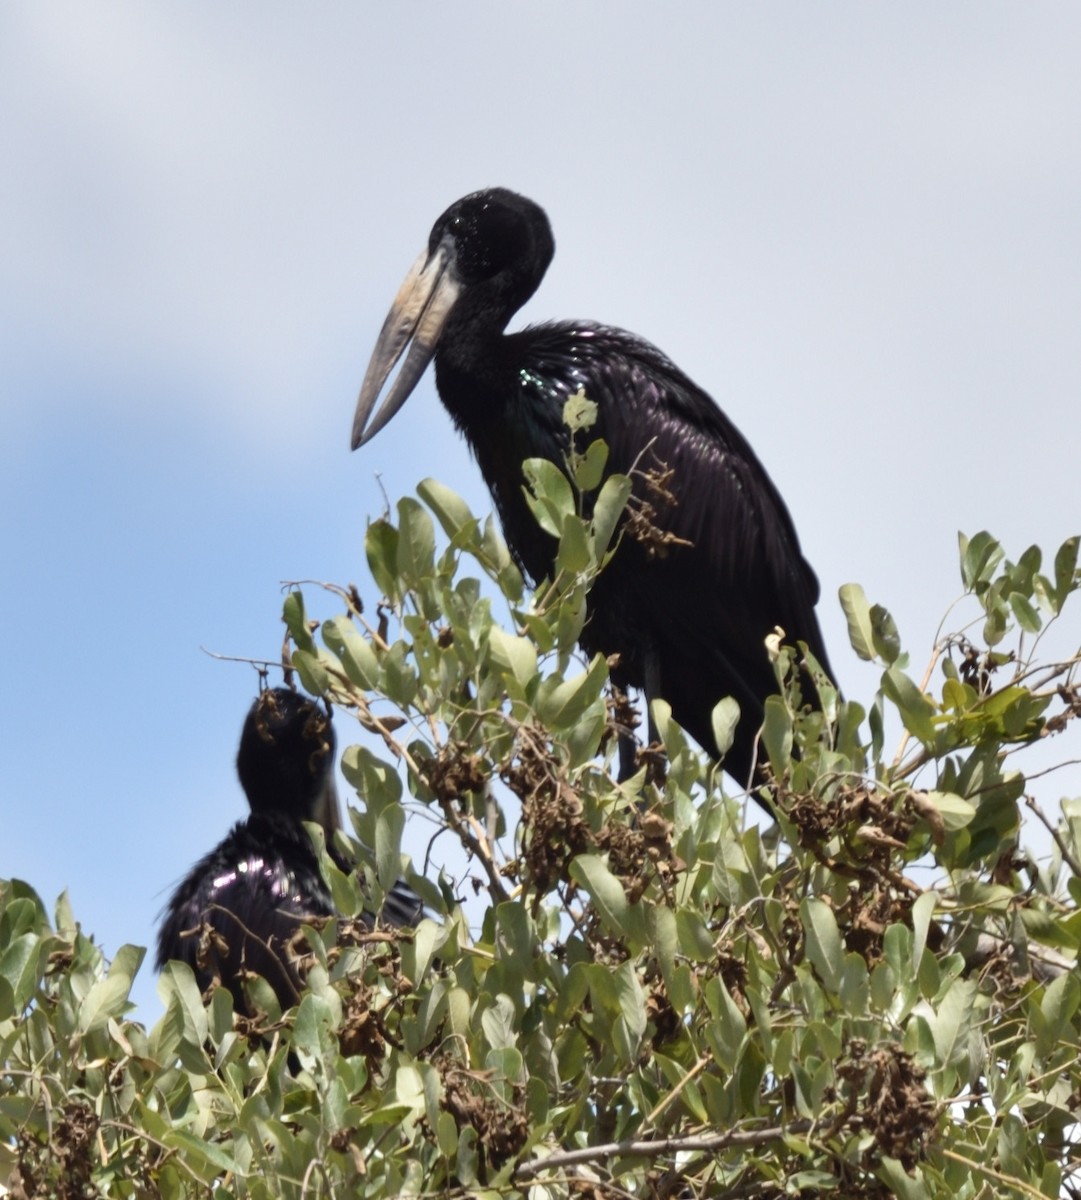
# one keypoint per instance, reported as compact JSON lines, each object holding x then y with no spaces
{"x":477,"y":844}
{"x":667,"y":1100}
{"x":1067,"y":856}
{"x":1069,"y":762}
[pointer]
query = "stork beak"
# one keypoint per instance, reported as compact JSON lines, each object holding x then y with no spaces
{"x":418,"y":315}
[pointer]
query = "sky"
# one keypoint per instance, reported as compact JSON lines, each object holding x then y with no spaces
{"x":855,"y":225}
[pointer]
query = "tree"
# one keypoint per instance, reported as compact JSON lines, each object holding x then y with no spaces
{"x":656,"y":998}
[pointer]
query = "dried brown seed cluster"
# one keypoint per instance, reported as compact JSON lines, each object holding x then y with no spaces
{"x":887,"y":1097}
{"x":554,"y":828}
{"x":455,"y":771}
{"x":475,"y":1102}
{"x":638,"y":853}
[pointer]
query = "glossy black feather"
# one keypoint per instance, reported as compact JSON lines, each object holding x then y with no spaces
{"x":242,"y":903}
{"x":687,"y":609}
{"x":693,"y":615}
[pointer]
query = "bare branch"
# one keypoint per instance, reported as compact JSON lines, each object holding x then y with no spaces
{"x":710,"y":1143}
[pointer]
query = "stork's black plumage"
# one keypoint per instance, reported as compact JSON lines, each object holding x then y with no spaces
{"x":241,"y":904}
{"x":687,"y":619}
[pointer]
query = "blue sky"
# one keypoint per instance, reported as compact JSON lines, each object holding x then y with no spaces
{"x":856,"y":226}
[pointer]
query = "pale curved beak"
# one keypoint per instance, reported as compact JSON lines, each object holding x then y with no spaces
{"x":417,"y":316}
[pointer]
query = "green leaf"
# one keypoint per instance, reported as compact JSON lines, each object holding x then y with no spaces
{"x":563,"y":702}
{"x":887,"y":640}
{"x":725,"y":880}
{"x":1060,"y":1002}
{"x":459,"y":1011}
{"x":955,"y":811}
{"x":206,"y":1158}
{"x":376,"y":781}
{"x":497,"y":559}
{"x":632,"y":1010}
{"x":498,"y":1024}
{"x":664,"y":938}
{"x":381,"y":548}
{"x":1025,"y":613}
{"x":670,"y":733}
{"x":446,"y":1133}
{"x":177,"y":983}
{"x":823,"y":942}
{"x":575,"y":553}
{"x":901,"y":1184}
{"x":65,"y":918}
{"x":980,"y":555}
{"x":515,"y":657}
{"x":451,"y":511}
{"x":7,"y":1000}
{"x":296,"y":621}
{"x":777,"y":735}
{"x":356,"y":653}
{"x":922,"y":911}
{"x":312,"y":671}
{"x":416,"y":541}
{"x":724,"y":719}
{"x":409,"y":1089}
{"x":570,"y":619}
{"x":608,"y":508}
{"x":952,"y":1022}
{"x":915,"y":709}
{"x":605,"y":890}
{"x":676,"y":1077}
{"x":996,"y":625}
{"x":549,"y":494}
{"x":427,"y":940}
{"x":312,"y":1036}
{"x":857,"y":612}
{"x":855,"y":986}
{"x":220,"y":1016}
{"x":695,"y":941}
{"x":127,"y":961}
{"x":19,"y":966}
{"x":589,"y":467}
{"x":389,"y":826}
{"x":1065,"y":570}
{"x":105,"y":999}
{"x":727,"y":1031}
{"x":400,"y":682}
{"x":344,"y":890}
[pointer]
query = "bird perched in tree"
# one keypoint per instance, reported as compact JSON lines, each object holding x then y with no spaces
{"x":241,"y":904}
{"x":694,"y":589}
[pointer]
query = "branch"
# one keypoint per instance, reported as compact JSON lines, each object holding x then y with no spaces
{"x":472,"y":837}
{"x":710,"y":1143}
{"x":1011,"y":1181}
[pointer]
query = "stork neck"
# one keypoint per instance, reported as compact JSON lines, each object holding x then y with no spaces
{"x":474,"y":384}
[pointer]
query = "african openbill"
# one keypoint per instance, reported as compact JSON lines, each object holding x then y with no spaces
{"x":693,"y":591}
{"x":241,"y":904}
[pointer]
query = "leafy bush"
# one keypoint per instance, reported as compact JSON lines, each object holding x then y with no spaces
{"x":656,"y":998}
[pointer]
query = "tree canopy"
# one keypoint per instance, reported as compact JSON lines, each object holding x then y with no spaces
{"x":631,"y":990}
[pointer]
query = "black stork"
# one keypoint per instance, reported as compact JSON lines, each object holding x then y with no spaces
{"x":687,"y":619}
{"x":240,"y":905}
